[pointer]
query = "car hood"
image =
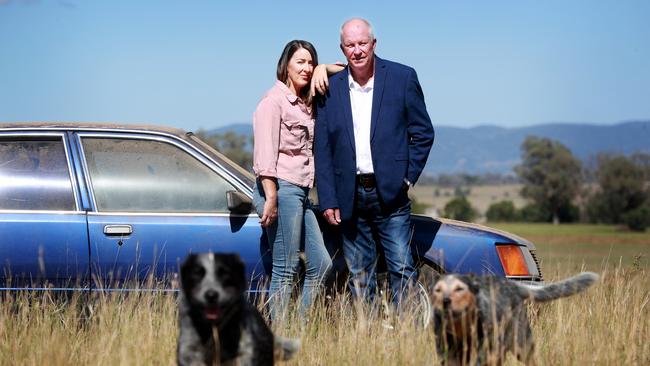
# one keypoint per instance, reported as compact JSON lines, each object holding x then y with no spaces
{"x":505,"y":234}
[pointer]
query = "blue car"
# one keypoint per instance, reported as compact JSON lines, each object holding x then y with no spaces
{"x":93,"y":206}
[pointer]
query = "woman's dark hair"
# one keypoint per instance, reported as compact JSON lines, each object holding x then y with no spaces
{"x":282,"y":73}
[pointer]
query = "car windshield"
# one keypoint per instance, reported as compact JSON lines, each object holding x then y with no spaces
{"x":245,"y":176}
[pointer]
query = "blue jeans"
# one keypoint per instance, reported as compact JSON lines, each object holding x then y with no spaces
{"x":295,"y":228}
{"x":372,"y":222}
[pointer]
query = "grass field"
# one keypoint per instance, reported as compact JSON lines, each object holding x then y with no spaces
{"x":571,"y":247}
{"x":607,"y":325}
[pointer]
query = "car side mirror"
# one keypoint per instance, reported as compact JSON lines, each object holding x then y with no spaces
{"x":239,"y":203}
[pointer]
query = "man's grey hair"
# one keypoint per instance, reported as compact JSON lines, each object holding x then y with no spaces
{"x":372,"y":33}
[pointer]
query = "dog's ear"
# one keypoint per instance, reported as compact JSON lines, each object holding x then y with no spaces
{"x":237,"y":266}
{"x":187,"y":282}
{"x":472,"y":282}
{"x":188,"y":263}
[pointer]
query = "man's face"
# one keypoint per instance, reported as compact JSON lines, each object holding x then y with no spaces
{"x":357,"y":45}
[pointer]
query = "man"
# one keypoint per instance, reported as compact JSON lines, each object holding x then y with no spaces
{"x":372,"y":139}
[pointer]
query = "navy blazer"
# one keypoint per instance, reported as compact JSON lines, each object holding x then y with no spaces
{"x":401,"y":136}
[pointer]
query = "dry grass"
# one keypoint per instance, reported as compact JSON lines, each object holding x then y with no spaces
{"x":39,"y":329}
{"x":481,"y":197}
{"x":607,"y":325}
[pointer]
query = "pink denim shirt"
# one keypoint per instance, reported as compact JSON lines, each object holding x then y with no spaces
{"x":283,"y":130}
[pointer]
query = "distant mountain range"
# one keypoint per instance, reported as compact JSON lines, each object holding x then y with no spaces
{"x":493,"y":149}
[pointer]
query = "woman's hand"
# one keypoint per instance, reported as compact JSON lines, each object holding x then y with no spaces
{"x":319,"y":82}
{"x":270,"y":213}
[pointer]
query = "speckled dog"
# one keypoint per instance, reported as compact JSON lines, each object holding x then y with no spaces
{"x":479,"y":319}
{"x":213,"y":308}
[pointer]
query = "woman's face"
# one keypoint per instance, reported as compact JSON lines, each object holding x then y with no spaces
{"x":299,"y":69}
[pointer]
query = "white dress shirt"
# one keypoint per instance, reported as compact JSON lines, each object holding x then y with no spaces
{"x":361,"y":103}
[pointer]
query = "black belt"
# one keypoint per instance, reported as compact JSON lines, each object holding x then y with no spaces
{"x":367,"y":180}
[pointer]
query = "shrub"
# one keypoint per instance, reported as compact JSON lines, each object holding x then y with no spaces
{"x":501,"y":211}
{"x":637,"y":219}
{"x":569,"y":213}
{"x":460,"y":209}
{"x":534,"y":213}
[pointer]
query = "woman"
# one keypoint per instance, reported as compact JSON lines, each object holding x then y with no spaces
{"x":283,"y":162}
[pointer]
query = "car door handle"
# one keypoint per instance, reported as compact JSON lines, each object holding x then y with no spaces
{"x":115,"y":230}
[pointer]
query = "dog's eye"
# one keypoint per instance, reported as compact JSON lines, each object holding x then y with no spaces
{"x":222,"y":272}
{"x":198,"y":272}
{"x":459,"y":289}
{"x":437,"y":290}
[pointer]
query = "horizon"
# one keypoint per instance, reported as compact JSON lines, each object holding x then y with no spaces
{"x":612,"y":124}
{"x":205,"y":65}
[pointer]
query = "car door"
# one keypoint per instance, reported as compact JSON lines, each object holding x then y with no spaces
{"x":43,"y":233}
{"x":155,"y":200}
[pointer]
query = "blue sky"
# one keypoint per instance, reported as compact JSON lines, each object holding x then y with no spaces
{"x":205,"y":64}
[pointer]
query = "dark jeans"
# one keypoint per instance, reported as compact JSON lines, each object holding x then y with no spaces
{"x":370,"y":221}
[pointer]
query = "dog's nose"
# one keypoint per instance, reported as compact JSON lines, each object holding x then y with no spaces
{"x":211,"y":296}
{"x":446,"y":302}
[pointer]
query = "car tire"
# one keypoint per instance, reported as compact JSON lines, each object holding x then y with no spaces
{"x":418,"y":303}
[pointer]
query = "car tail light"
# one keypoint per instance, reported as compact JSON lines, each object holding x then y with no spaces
{"x":513,"y":261}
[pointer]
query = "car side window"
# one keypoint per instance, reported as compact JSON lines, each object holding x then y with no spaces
{"x":140,"y":175}
{"x":34,"y":174}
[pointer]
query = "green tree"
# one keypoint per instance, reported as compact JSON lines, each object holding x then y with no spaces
{"x":236,"y":147}
{"x":501,"y":211}
{"x":642,"y":160}
{"x":622,"y":189}
{"x":550,"y":173}
{"x":459,"y":208}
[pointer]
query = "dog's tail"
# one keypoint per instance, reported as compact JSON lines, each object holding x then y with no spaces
{"x":285,"y":348}
{"x":567,"y":287}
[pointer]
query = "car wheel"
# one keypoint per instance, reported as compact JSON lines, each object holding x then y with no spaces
{"x":428,"y":276}
{"x":417,"y":303}
{"x":422,"y":306}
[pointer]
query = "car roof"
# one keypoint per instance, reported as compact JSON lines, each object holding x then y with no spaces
{"x":93,"y":126}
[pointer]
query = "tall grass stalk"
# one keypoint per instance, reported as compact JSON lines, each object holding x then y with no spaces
{"x":609,"y":324}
